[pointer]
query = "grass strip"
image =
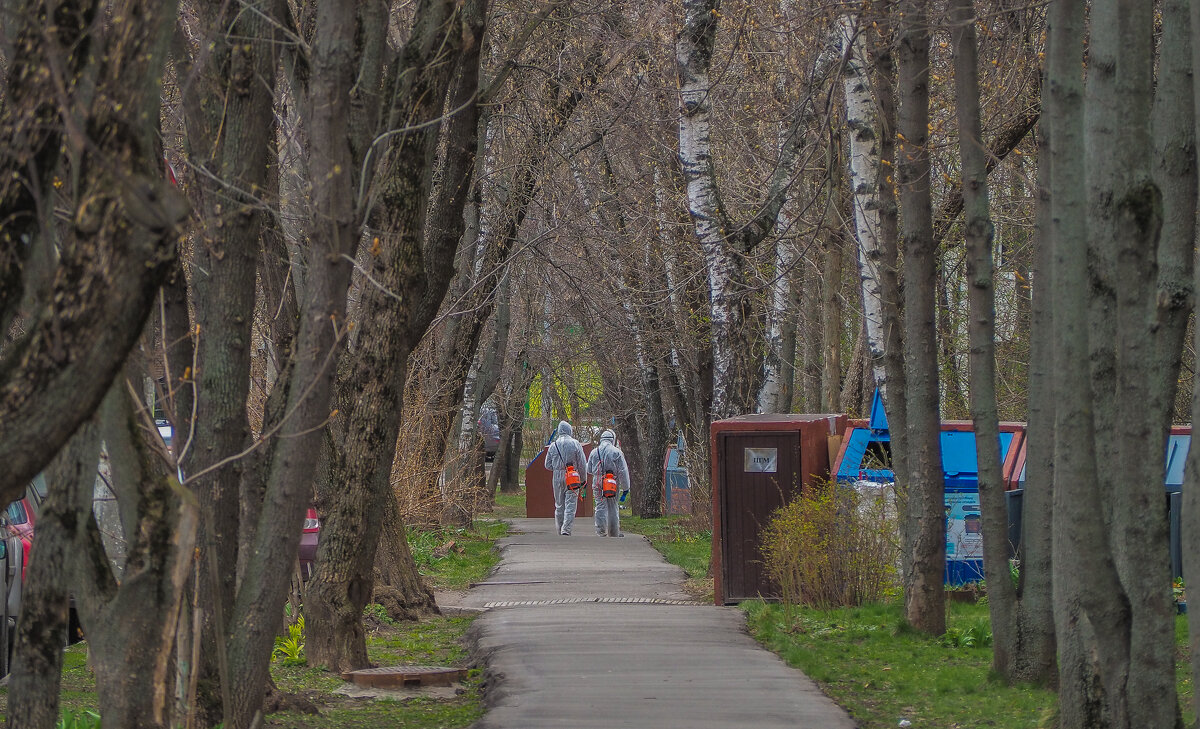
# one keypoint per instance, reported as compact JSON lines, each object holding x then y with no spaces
{"x":870,"y":663}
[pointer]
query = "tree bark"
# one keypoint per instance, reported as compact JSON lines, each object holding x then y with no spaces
{"x":36,"y":673}
{"x":439,"y":69}
{"x":831,"y":285}
{"x":121,"y":241}
{"x":982,"y":334}
{"x":924,"y":596}
{"x":257,"y":612}
{"x":1084,"y":575}
{"x":228,"y":114}
{"x":1033,"y":648}
{"x":133,"y":686}
{"x":1190,"y":526}
{"x":865,"y":187}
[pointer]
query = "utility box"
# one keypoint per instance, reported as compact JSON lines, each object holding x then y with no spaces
{"x":759,"y":463}
{"x":539,"y":489}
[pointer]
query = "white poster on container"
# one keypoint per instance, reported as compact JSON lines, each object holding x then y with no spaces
{"x":762,"y":460}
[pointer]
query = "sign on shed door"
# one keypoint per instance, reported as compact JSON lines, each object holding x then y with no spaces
{"x":761,"y":460}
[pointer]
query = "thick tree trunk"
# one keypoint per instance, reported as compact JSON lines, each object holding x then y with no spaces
{"x":1084,"y":576}
{"x":262,"y":590}
{"x":1140,"y":536}
{"x":924,"y":596}
{"x":121,"y":242}
{"x":228,"y":144}
{"x":131,"y":624}
{"x":36,"y":672}
{"x":371,"y":382}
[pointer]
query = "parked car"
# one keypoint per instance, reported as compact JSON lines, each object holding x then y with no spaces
{"x":20,"y":518}
{"x":489,"y":430}
{"x":308,"y":543}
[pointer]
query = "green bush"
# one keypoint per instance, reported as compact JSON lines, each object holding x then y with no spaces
{"x":833,"y":546}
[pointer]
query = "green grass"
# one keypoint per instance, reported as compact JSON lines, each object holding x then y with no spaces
{"x":882,"y":673}
{"x":437,"y":641}
{"x":670,"y":535}
{"x":454,"y":567}
{"x":510,"y":505}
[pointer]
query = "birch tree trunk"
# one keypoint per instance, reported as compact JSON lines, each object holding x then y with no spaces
{"x":775,"y":394}
{"x":863,"y":122}
{"x":735,"y":324}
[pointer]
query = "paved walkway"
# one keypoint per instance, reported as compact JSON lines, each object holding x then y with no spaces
{"x":584,"y":631}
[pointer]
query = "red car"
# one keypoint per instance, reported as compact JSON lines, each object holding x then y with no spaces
{"x":308,"y":543}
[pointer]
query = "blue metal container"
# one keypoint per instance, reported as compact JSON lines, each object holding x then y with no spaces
{"x":867,"y":457}
{"x":677,"y":495}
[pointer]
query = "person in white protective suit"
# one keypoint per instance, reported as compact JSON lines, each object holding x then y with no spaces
{"x":608,"y":474}
{"x":564,"y":456}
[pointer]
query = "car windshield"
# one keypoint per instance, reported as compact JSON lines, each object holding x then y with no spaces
{"x":16,"y":513}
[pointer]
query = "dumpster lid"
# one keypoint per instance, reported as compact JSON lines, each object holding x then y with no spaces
{"x":1177,"y":449}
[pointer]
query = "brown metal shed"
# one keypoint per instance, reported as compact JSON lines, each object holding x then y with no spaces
{"x":759,"y":463}
{"x":539,"y":490}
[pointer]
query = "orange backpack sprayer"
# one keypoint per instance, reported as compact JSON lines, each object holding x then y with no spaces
{"x":610,"y":485}
{"x":571,"y":477}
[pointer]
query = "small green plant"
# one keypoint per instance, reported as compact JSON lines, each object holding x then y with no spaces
{"x":378,"y":612}
{"x":86,"y":719}
{"x":976,"y":635}
{"x":291,"y":647}
{"x":1178,"y":591}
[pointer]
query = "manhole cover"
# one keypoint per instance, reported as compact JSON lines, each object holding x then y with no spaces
{"x":397,"y":676}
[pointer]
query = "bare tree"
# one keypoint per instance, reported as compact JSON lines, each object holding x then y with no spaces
{"x":436,"y":72}
{"x":78,"y":301}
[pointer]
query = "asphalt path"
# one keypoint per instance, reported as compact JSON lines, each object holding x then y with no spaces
{"x":587,"y":631}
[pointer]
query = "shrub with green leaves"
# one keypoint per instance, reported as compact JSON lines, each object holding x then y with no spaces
{"x":833,"y":546}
